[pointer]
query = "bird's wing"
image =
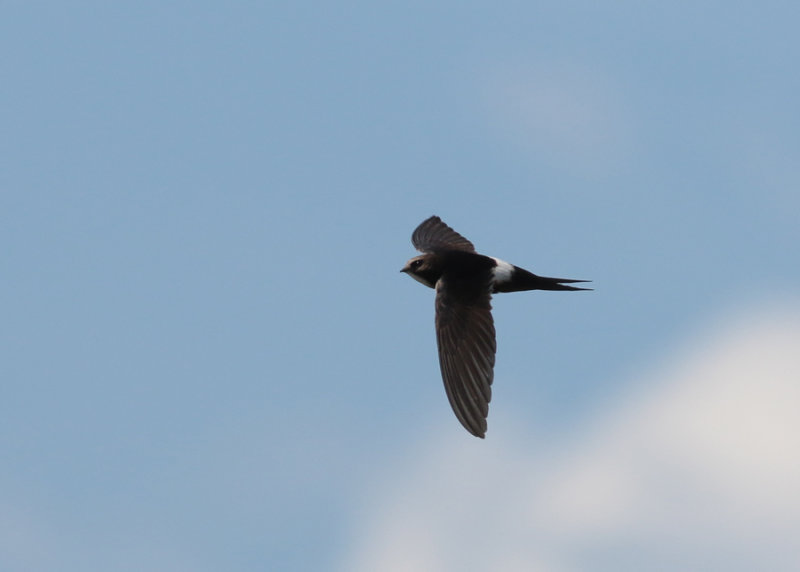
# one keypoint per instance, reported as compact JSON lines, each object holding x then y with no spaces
{"x":433,"y":235}
{"x":466,"y":339}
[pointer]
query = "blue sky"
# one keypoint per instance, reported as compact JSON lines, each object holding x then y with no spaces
{"x":210,"y":360}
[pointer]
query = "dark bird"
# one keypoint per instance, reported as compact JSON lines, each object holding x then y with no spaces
{"x":465,"y":281}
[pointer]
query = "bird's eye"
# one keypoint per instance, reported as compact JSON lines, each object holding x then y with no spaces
{"x":416,"y":264}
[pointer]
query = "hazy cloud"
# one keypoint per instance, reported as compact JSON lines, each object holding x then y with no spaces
{"x":568,"y":114}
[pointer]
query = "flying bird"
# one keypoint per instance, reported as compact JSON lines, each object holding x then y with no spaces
{"x":464,"y":282}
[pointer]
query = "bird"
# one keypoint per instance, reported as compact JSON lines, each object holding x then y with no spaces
{"x":464,"y":282}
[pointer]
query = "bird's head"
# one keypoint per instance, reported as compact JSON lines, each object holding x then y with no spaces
{"x":424,"y":269}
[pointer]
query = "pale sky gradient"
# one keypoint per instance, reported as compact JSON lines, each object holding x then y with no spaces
{"x":210,"y":361}
{"x":698,"y":470}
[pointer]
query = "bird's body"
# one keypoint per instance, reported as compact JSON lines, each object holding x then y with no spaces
{"x":464,"y":282}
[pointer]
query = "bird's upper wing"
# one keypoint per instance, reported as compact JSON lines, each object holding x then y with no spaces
{"x":433,"y":235}
{"x":466,"y":339}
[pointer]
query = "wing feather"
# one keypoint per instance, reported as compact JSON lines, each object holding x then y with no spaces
{"x":466,"y":339}
{"x":433,"y":235}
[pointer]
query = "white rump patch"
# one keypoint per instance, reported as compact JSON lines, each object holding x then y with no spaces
{"x":503,"y":271}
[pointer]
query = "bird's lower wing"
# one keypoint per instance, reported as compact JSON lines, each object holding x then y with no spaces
{"x":466,"y":338}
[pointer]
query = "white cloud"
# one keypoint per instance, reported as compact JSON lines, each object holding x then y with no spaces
{"x":700,"y":471}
